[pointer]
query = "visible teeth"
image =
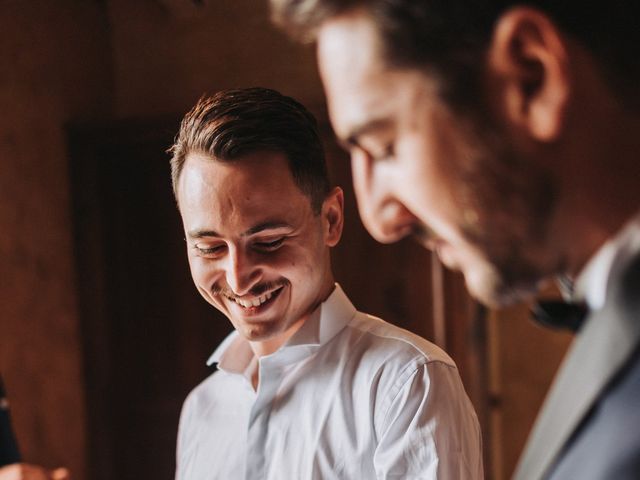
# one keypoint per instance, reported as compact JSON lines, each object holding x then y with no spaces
{"x":256,"y":302}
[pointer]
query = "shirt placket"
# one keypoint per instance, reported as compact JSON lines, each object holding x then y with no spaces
{"x":258,"y":428}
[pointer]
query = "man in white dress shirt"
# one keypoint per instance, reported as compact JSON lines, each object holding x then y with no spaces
{"x":306,"y":386}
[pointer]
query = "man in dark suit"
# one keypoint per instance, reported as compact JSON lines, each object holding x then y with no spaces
{"x":505,"y":136}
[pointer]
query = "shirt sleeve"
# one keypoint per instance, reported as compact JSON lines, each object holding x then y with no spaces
{"x":429,"y":429}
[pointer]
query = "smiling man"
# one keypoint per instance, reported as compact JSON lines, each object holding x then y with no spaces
{"x":505,"y":136}
{"x":306,"y":387}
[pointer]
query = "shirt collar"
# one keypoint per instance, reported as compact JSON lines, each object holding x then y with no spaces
{"x":591,"y":284}
{"x":234,"y":354}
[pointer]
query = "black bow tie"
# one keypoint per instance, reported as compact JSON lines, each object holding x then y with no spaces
{"x":560,"y":315}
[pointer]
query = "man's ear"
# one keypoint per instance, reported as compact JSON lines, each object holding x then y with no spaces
{"x":529,"y":73}
{"x":333,"y":216}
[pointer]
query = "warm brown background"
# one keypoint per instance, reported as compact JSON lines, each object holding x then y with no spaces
{"x":74,"y":74}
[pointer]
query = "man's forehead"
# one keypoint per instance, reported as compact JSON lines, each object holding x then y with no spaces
{"x":215,"y":196}
{"x":362,"y":90}
{"x":253,"y":171}
{"x":351,"y":36}
{"x":347,"y":49}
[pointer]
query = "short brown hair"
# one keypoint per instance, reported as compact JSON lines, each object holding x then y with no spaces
{"x":448,"y":39}
{"x":234,"y":123}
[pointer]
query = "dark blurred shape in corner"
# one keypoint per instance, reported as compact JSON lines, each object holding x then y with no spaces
{"x":9,"y":452}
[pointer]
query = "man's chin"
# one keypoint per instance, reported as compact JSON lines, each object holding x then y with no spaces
{"x":258,"y":332}
{"x":491,"y":290}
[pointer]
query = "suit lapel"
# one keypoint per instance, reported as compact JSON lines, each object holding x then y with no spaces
{"x":608,"y":339}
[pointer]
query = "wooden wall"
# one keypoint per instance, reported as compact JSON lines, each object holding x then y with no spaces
{"x":55,"y":66}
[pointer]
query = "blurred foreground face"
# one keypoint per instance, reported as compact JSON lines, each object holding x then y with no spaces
{"x":417,"y":169}
{"x":257,"y":251}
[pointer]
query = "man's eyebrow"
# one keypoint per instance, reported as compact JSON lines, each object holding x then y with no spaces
{"x":368,"y":126}
{"x":203,"y":234}
{"x":270,"y":225}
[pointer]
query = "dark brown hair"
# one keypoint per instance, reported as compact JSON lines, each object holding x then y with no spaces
{"x":449,"y":38}
{"x":234,"y":123}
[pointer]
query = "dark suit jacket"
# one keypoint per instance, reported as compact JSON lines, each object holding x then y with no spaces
{"x":589,"y":426}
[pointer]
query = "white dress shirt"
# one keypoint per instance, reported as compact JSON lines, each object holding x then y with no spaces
{"x":349,"y":396}
{"x":592,"y":283}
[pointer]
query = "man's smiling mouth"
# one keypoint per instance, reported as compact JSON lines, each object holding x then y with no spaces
{"x":258,"y":301}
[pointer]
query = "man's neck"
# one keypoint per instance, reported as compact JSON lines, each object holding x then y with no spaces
{"x":595,"y":163}
{"x":600,"y":193}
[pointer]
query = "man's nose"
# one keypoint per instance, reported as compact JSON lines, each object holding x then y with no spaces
{"x":386,"y":220}
{"x":382,"y":214}
{"x":242,"y":273}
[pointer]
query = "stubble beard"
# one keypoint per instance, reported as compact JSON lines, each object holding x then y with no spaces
{"x":513,"y":200}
